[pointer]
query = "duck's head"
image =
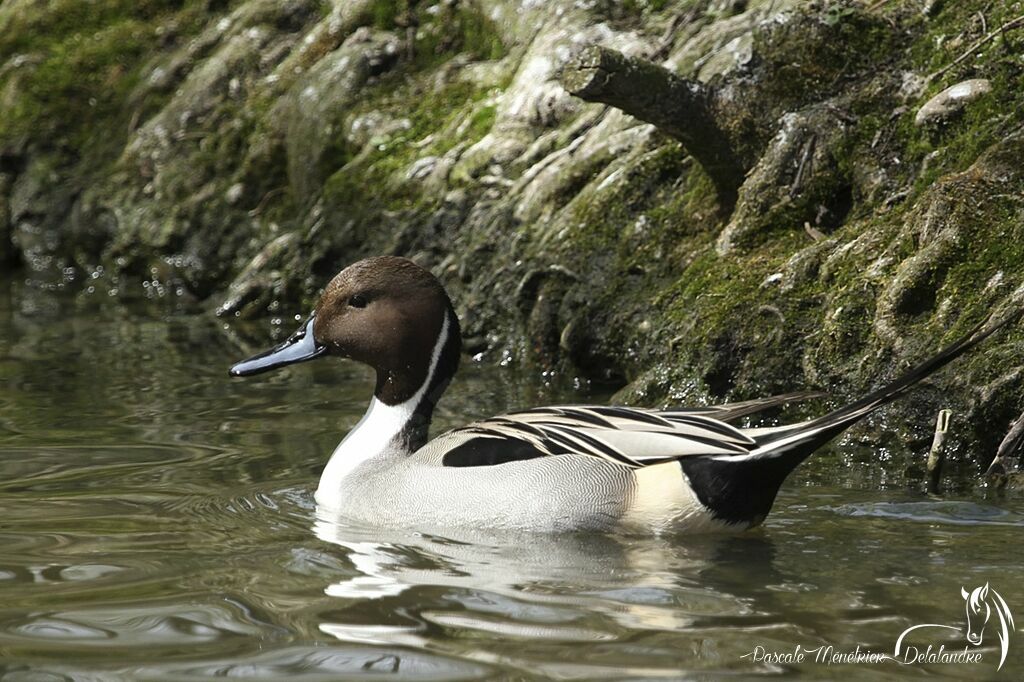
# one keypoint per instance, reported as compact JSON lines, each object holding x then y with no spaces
{"x":386,"y":312}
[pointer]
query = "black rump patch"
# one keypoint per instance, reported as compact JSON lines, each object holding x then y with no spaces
{"x":483,"y":452}
{"x":737,"y":492}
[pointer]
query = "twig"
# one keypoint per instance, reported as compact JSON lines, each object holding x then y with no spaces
{"x":937,"y":454}
{"x":263,"y":201}
{"x":1008,"y":26}
{"x":794,"y":189}
{"x":814,"y":233}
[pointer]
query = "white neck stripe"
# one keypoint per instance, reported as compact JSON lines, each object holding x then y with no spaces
{"x":435,"y":357}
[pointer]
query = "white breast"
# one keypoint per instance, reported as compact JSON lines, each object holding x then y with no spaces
{"x":374,"y":435}
{"x":375,"y":431}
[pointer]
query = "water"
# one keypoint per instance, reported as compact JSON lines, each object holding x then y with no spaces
{"x":156,"y":522}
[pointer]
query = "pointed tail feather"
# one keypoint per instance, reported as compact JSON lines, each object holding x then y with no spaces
{"x":800,"y":443}
{"x":733,"y":411}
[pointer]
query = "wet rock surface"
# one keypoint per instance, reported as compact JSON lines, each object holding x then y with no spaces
{"x":238,"y":154}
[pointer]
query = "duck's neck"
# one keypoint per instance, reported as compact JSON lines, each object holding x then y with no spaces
{"x":395,"y":430}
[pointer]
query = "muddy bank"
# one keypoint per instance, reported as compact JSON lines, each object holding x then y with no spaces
{"x":236,"y":154}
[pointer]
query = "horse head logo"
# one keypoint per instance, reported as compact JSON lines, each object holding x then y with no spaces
{"x":980,"y":604}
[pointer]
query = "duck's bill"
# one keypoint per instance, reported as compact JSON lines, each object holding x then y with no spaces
{"x":299,"y":347}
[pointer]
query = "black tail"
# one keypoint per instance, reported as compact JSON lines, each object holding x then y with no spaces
{"x":798,"y":444}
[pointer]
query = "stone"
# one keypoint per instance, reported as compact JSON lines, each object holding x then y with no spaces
{"x":315,"y":107}
{"x":251,"y":288}
{"x":952,"y":101}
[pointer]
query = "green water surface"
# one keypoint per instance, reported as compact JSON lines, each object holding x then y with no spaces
{"x":157,"y":522}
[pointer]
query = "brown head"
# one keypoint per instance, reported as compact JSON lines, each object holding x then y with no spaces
{"x":386,"y":312}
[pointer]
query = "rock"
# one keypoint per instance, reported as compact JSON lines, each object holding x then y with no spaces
{"x":313,"y":111}
{"x":795,"y":182}
{"x":235,"y":193}
{"x":374,"y":127}
{"x":945,"y":219}
{"x":725,"y":45}
{"x":553,"y":182}
{"x":251,"y":150}
{"x":256,"y":282}
{"x":7,"y":253}
{"x":200,"y":93}
{"x":951,"y":101}
{"x":40,"y":196}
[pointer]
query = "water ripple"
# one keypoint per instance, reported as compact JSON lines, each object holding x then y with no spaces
{"x":938,"y":512}
{"x":157,"y":522}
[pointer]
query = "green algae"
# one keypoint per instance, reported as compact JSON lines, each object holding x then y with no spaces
{"x":80,"y":64}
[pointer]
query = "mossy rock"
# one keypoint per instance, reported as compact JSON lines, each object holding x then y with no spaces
{"x":568,"y":234}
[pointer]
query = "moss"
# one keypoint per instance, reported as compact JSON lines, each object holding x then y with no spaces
{"x":958,"y":25}
{"x":690,"y":208}
{"x":958,"y":143}
{"x":89,"y":58}
{"x":818,"y":50}
{"x":385,"y":14}
{"x":453,"y":28}
{"x":999,"y":224}
{"x":481,"y":122}
{"x":630,"y":232}
{"x":367,"y":186}
{"x":714,"y":294}
{"x":55,"y":22}
{"x":366,"y":180}
{"x":627,"y":205}
{"x":952,"y":146}
{"x":81,"y":79}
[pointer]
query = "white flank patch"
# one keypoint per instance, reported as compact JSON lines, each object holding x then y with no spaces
{"x":663,"y":500}
{"x":374,"y":432}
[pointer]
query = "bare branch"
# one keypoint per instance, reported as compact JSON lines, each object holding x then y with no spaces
{"x":680,"y":107}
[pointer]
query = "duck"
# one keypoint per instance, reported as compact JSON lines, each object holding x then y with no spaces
{"x":561,"y":468}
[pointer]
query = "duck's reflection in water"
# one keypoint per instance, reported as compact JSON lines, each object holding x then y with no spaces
{"x":407,"y":588}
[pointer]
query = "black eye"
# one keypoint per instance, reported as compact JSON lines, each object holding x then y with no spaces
{"x":357,"y":301}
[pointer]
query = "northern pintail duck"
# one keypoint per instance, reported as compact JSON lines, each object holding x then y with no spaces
{"x":569,"y":467}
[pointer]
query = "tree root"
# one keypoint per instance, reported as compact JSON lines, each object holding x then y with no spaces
{"x":681,"y":108}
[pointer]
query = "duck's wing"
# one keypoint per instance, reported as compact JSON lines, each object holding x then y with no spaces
{"x":623,"y":436}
